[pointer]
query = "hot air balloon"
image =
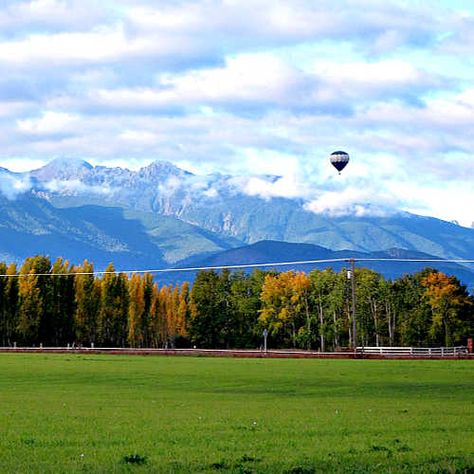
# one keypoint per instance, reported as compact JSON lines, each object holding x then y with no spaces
{"x":339,"y":160}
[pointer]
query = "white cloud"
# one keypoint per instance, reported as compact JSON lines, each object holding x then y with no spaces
{"x":285,"y":186}
{"x":140,"y":136}
{"x":23,"y":164}
{"x":49,"y":122}
{"x":75,"y":186}
{"x":94,"y":46}
{"x":439,"y":201}
{"x":353,"y":201}
{"x":250,"y":78}
{"x":257,"y":77}
{"x":13,"y":185}
{"x":170,"y":186}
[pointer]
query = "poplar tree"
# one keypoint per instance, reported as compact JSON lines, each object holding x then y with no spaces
{"x":61,"y":304}
{"x":245,"y":306}
{"x":113,"y":314}
{"x":153,"y":326}
{"x":370,"y":307}
{"x":9,"y":305}
{"x":411,"y":315}
{"x":33,"y":320}
{"x":285,"y":308}
{"x":182,"y":315}
{"x":135,"y":336}
{"x":205,"y":310}
{"x":3,"y":310}
{"x":87,"y":304}
{"x":147,"y":309}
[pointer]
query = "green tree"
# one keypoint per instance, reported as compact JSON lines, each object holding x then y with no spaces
{"x":33,"y":320}
{"x":87,"y":304}
{"x":329,"y":300}
{"x":147,"y":309}
{"x":113,"y":314}
{"x":153,"y":327}
{"x":182,"y":316}
{"x":370,"y":297}
{"x":207,"y":318}
{"x":136,"y":311}
{"x":245,"y":306}
{"x":8,"y":304}
{"x":411,"y":315}
{"x":60,"y":302}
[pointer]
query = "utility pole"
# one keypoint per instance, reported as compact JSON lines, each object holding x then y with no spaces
{"x":351,"y":276}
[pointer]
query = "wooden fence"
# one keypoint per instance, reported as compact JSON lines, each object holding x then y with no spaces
{"x":413,"y":351}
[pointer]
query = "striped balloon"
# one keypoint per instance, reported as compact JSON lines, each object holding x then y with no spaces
{"x":339,"y":160}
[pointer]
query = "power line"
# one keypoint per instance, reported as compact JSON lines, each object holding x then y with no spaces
{"x":420,"y":260}
{"x":251,"y":265}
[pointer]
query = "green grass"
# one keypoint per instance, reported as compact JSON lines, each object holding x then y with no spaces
{"x":72,"y":413}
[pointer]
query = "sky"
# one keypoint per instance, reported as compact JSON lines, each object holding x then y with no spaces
{"x":252,"y":87}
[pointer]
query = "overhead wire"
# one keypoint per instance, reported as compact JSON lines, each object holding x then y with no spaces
{"x":248,"y":265}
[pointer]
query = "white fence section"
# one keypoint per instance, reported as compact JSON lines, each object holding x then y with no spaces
{"x":414,"y":351}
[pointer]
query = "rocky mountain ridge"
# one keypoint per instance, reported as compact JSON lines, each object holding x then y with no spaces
{"x":181,"y":215}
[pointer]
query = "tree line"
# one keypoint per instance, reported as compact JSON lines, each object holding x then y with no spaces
{"x":56,"y":304}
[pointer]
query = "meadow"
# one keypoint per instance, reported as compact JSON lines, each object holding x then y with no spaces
{"x":91,"y":413}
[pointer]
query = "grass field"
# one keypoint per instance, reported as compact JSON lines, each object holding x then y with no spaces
{"x":74,"y":413}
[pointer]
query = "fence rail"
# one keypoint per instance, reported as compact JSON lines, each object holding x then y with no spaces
{"x":414,"y":351}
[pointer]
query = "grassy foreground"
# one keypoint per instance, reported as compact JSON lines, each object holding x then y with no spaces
{"x":74,"y":413}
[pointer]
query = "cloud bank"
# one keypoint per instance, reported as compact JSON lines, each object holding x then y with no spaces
{"x":250,"y":88}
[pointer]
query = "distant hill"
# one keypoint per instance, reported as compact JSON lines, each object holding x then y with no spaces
{"x":278,"y":252}
{"x":30,"y":226}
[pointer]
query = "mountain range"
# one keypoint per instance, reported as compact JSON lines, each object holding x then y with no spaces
{"x":161,"y":216}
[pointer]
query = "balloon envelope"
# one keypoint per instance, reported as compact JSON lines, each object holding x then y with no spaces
{"x":339,"y":160}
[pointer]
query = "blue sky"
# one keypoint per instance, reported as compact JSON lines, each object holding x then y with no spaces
{"x":251,"y":87}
